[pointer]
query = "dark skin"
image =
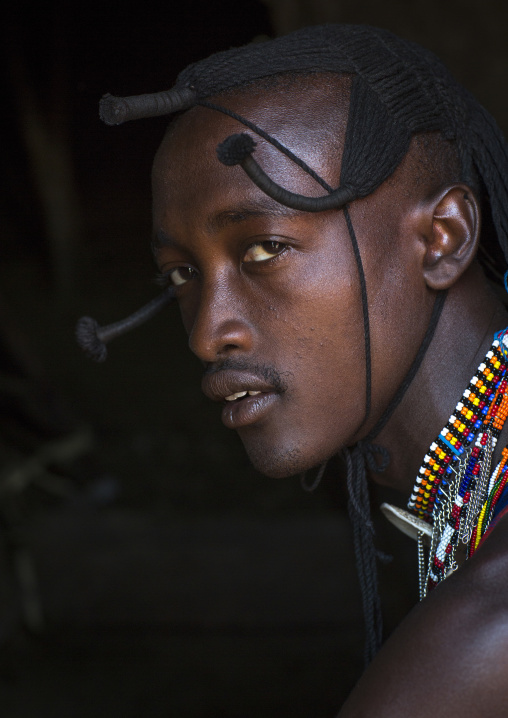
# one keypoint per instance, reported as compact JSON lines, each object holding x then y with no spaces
{"x":271,"y":303}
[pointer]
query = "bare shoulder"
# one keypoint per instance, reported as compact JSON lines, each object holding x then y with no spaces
{"x":450,"y":654}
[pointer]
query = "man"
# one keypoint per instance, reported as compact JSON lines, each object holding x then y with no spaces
{"x":324,"y":263}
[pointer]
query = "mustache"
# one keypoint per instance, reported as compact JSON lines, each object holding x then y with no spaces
{"x":264,"y":371}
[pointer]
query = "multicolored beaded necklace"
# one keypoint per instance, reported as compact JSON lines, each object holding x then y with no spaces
{"x":455,"y":493}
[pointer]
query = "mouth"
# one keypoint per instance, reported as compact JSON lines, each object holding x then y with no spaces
{"x":246,"y":398}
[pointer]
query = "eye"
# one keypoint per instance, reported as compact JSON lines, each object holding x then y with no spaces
{"x":261,"y":251}
{"x":177,"y":276}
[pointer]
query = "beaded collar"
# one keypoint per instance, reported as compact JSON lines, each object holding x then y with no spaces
{"x":456,"y":491}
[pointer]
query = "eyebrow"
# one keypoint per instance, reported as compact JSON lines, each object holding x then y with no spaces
{"x":233,"y":215}
{"x":246,"y":211}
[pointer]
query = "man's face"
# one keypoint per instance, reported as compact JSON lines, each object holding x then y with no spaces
{"x":270,"y":296}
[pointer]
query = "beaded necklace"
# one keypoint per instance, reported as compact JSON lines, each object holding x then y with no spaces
{"x":455,"y":493}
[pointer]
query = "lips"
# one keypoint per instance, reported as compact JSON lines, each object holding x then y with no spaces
{"x":247,"y":397}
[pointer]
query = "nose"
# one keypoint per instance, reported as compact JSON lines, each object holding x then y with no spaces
{"x":221,"y":325}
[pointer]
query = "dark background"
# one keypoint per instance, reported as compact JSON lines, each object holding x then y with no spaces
{"x":145,"y":568}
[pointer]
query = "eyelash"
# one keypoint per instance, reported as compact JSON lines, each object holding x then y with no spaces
{"x":164,"y":278}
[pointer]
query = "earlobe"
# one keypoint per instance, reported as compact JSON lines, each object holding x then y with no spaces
{"x":453,"y":236}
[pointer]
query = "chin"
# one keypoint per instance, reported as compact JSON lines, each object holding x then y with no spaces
{"x":278,"y":463}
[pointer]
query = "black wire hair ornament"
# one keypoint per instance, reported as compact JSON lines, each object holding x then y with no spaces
{"x":117,"y":110}
{"x":93,"y":339}
{"x":238,"y":149}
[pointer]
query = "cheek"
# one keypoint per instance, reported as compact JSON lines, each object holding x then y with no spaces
{"x":316,"y":337}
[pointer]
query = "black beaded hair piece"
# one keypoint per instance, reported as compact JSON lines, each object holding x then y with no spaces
{"x":398,"y":89}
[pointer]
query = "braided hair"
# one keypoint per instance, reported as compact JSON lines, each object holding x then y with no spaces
{"x":398,"y":90}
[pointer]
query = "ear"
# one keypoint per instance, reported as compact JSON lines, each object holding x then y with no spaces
{"x":452,"y":236}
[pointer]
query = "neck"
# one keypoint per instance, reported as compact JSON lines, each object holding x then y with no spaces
{"x":470,"y":317}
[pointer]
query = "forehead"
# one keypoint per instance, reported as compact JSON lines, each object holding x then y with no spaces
{"x":309,"y":117}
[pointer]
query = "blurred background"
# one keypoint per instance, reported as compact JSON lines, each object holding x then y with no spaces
{"x":145,"y":568}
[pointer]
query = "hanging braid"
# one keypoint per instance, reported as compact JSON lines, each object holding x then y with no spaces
{"x":398,"y":90}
